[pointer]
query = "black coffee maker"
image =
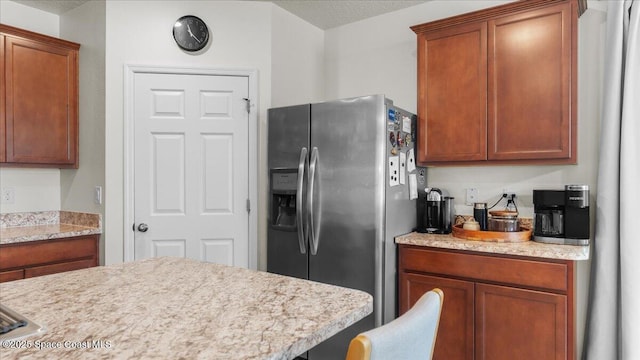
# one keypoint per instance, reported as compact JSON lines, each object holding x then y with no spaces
{"x":562,"y":216}
{"x":434,"y":212}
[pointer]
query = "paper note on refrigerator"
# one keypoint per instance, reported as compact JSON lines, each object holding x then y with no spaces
{"x":413,"y":187}
{"x":394,"y":171}
{"x":406,"y":124}
{"x":411,"y":161}
{"x":403,"y":168}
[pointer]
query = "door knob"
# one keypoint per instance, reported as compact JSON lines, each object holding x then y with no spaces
{"x":143,"y":227}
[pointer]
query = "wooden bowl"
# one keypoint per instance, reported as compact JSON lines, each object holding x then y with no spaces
{"x":492,"y":236}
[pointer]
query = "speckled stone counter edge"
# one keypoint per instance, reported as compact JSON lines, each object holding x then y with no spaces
{"x":527,"y":249}
{"x":43,"y":225}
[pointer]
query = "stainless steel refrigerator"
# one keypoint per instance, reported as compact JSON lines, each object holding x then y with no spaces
{"x":341,"y":175}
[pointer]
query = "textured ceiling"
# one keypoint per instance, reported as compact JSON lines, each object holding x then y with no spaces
{"x":52,"y":6}
{"x":324,"y":14}
{"x":327,"y":14}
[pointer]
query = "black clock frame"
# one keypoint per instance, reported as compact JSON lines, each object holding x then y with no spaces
{"x":189,"y":39}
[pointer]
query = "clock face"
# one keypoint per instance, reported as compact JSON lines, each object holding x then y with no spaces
{"x":191,"y":33}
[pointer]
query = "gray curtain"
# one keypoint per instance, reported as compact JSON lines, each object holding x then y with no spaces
{"x":613,"y":319}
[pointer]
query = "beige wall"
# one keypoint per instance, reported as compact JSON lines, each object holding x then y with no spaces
{"x":252,"y":35}
{"x":243,"y":32}
{"x":66,"y":189}
{"x":85,"y":25}
{"x":378,"y":55}
{"x":139,"y":33}
{"x":297,"y":60}
{"x":28,"y":18}
{"x":35,"y":189}
{"x":296,"y":63}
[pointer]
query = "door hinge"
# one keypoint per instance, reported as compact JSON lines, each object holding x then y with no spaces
{"x":248,"y":205}
{"x":248,"y":102}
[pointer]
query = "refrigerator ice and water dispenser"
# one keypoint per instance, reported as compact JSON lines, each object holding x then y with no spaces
{"x":283,"y":198}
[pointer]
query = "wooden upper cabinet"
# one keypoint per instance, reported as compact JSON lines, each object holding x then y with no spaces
{"x":453,"y":94}
{"x":40,"y":94}
{"x":530,"y":113}
{"x":499,"y":86}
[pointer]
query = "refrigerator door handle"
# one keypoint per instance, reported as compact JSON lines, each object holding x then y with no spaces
{"x":313,"y":233}
{"x":300,"y":218}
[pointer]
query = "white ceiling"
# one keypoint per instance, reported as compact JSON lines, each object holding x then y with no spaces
{"x":325,"y":14}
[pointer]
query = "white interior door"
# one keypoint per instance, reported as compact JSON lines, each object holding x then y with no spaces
{"x":191,"y":170}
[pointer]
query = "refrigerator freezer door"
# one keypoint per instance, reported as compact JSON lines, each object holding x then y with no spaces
{"x":348,"y":204}
{"x":288,"y":133}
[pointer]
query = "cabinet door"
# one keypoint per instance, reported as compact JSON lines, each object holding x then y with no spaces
{"x":41,"y":103}
{"x":452,"y":94}
{"x":514,"y":323}
{"x":455,"y":330}
{"x":531,"y":99}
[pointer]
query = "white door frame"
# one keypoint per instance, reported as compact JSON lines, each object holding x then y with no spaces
{"x":129,"y":75}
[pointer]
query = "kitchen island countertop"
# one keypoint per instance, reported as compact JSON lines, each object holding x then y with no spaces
{"x":527,"y":248}
{"x":178,"y":308}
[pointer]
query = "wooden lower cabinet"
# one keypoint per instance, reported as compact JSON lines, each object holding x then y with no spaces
{"x":456,"y":320}
{"x":516,"y":323}
{"x":488,"y":313}
{"x":56,"y":268}
{"x":37,"y":258}
{"x":11,"y":275}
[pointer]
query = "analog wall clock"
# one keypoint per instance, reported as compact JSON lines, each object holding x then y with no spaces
{"x":191,"y":33}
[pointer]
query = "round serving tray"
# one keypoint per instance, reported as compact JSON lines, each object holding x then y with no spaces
{"x":492,"y":236}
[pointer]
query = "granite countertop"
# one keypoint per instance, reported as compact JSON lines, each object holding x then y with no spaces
{"x":178,"y":308}
{"x":45,"y":225}
{"x":527,"y":248}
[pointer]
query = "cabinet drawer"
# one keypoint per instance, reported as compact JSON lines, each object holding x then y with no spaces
{"x":57,"y":268}
{"x":551,"y":275}
{"x":48,"y":251}
{"x":11,"y":275}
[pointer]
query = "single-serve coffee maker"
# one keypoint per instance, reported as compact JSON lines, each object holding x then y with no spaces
{"x":434,"y":212}
{"x":562,"y":216}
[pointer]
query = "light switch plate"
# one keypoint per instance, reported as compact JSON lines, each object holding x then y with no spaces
{"x":97,"y":195}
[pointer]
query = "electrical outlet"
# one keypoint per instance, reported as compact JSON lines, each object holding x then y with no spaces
{"x":472,"y":196}
{"x":8,"y":195}
{"x":509,"y":194}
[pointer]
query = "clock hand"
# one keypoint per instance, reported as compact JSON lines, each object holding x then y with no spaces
{"x":190,"y":33}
